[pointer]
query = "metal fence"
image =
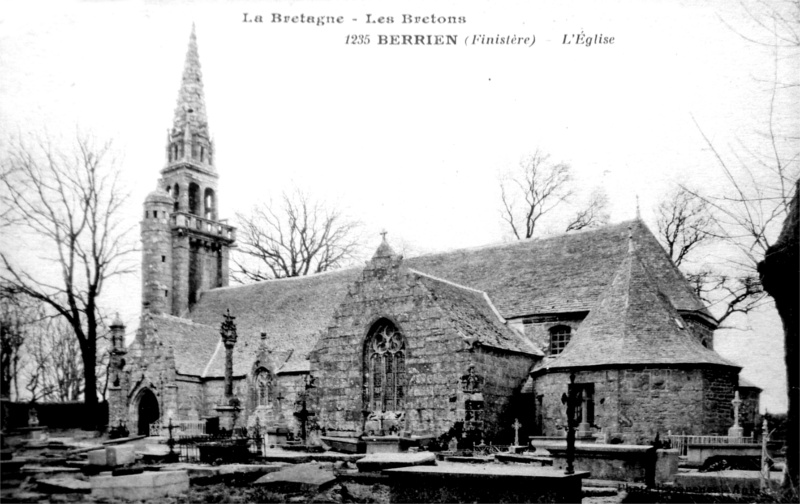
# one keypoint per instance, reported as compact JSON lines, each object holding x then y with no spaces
{"x":180,"y":428}
{"x":490,"y":449}
{"x":681,"y":442}
{"x":220,"y":448}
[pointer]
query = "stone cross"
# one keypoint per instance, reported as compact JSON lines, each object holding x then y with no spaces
{"x":383,"y":234}
{"x":736,"y":403}
{"x":516,"y":425}
{"x":228,"y":333}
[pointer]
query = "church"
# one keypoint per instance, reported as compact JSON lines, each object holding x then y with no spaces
{"x":463,"y":343}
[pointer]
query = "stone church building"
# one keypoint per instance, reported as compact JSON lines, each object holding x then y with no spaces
{"x":461,"y":342}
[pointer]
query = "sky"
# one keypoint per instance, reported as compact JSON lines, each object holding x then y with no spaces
{"x":410,"y":139}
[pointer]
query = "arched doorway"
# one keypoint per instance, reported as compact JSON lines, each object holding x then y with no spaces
{"x":147,"y":410}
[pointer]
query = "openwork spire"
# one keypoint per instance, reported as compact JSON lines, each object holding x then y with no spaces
{"x":191,"y":108}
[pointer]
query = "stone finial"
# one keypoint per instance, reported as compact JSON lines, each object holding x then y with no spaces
{"x":228,"y":329}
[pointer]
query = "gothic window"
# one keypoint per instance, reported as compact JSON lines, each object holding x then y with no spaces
{"x":384,"y":367}
{"x":194,"y":199}
{"x":262,"y":387}
{"x":559,"y":337}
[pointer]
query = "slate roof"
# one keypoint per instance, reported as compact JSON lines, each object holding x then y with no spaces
{"x":743,"y":383}
{"x":193,"y":344}
{"x":472,"y":313}
{"x":561,"y":274}
{"x":633,"y":323}
{"x":292,"y":311}
{"x":565,"y":273}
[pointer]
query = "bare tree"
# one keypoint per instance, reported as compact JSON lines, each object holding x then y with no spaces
{"x":54,"y":371}
{"x":593,"y":214}
{"x":535,"y":190}
{"x":294,"y":237}
{"x":683,"y":222}
{"x":71,"y":200}
{"x":16,"y":317}
{"x":755,"y":201}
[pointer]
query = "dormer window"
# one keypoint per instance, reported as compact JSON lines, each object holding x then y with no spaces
{"x":559,"y":338}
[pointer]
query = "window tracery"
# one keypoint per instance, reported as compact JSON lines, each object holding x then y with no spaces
{"x":384,"y":367}
{"x":262,"y":387}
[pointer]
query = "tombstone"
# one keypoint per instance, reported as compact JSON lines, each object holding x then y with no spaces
{"x":516,"y":426}
{"x":736,"y":431}
{"x":33,"y":417}
{"x":452,"y":446}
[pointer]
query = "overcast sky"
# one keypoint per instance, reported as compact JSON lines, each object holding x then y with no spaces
{"x":410,"y":139}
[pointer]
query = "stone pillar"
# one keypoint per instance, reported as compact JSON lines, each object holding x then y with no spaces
{"x":229,"y":411}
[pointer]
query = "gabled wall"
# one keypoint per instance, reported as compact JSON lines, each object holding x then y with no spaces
{"x":438,"y":361}
{"x":436,"y":357}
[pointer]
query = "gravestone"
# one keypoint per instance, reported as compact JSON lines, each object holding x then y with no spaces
{"x":736,"y":431}
{"x":147,"y":485}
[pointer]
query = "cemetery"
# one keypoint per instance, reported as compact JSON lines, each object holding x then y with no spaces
{"x":180,"y":464}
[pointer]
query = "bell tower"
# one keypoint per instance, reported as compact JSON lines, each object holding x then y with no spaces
{"x":185,"y":244}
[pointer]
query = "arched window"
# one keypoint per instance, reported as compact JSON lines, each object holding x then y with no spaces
{"x":559,"y":337}
{"x":262,"y":387}
{"x":384,"y":367}
{"x":176,"y":192}
{"x":194,"y":199}
{"x":209,"y":204}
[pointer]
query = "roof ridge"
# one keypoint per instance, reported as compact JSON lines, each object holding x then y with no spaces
{"x":513,"y":243}
{"x":285,"y":279}
{"x":181,"y":320}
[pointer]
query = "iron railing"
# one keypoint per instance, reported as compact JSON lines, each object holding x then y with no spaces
{"x":681,"y":442}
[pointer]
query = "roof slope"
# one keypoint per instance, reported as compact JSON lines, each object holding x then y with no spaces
{"x":474,"y":316}
{"x":560,"y":274}
{"x":292,"y":311}
{"x":633,"y":323}
{"x":193,"y":344}
{"x":566,"y":273}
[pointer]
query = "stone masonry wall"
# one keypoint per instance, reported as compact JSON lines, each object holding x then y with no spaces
{"x":285,"y":401}
{"x":504,"y":374}
{"x":436,"y":357}
{"x":718,"y":392}
{"x":151,"y":365}
{"x":214,"y":393}
{"x":190,"y":398}
{"x":638,"y":403}
{"x":180,"y":274}
{"x":156,"y":258}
